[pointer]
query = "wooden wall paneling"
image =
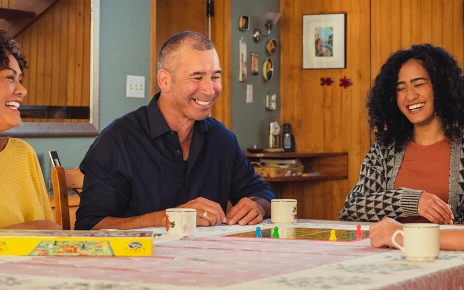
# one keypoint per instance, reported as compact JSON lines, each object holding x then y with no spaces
{"x":63,"y":86}
{"x":48,"y":58}
{"x":437,"y":25}
{"x":221,"y":36}
{"x":325,"y":118}
{"x":426,"y":21}
{"x":86,"y":55}
{"x":458,"y":31}
{"x":56,"y":77}
{"x":405,"y":24}
{"x":415,"y":18}
{"x":71,"y":53}
{"x":79,"y":14}
{"x":41,"y":32}
{"x":447,"y":21}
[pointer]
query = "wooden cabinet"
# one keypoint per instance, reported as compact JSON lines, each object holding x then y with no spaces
{"x":317,"y":166}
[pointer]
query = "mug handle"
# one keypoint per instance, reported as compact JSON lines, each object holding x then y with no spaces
{"x":393,"y":239}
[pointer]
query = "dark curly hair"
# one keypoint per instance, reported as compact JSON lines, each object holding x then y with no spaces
{"x":386,"y":119}
{"x":10,"y":46}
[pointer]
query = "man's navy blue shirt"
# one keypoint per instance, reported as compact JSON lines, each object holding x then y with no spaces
{"x":136,"y":167}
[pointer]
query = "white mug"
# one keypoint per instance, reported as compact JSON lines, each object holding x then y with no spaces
{"x":181,"y":221}
{"x":283,"y":210}
{"x":421,"y":242}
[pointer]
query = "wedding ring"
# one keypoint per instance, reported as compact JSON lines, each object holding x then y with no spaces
{"x":205,"y":214}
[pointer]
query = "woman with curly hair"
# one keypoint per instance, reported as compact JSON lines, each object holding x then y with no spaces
{"x":24,"y":201}
{"x":414,"y":171}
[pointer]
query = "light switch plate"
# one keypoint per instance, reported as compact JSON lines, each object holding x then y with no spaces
{"x":135,"y":86}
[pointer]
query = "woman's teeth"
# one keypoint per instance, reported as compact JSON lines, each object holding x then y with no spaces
{"x":415,"y":106}
{"x":12,"y":105}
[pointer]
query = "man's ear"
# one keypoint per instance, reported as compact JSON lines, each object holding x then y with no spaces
{"x":164,"y":80}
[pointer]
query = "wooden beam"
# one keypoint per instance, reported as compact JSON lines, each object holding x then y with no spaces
{"x":6,"y":13}
{"x":14,"y":27}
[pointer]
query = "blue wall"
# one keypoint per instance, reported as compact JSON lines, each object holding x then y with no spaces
{"x":250,"y":121}
{"x":124,"y":50}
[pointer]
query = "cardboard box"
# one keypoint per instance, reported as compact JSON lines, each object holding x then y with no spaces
{"x":76,"y":243}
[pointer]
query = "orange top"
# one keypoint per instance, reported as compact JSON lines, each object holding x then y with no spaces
{"x":425,"y":167}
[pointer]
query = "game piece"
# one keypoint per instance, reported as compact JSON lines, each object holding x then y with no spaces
{"x":275,"y":234}
{"x":258,"y":233}
{"x":83,"y":246}
{"x":332,"y":237}
{"x":358,"y":232}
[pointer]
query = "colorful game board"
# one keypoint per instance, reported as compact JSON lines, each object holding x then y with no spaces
{"x":76,"y":243}
{"x":73,"y":248}
{"x":317,"y":234}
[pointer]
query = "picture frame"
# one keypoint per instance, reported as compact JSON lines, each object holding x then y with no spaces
{"x":243,"y":23}
{"x":324,"y":41}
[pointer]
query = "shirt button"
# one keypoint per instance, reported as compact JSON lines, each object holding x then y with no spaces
{"x":178,"y":151}
{"x":172,"y":133}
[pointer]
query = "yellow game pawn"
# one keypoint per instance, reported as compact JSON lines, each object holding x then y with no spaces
{"x":332,"y":237}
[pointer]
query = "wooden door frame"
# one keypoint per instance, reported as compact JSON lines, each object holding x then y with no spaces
{"x":221,"y":37}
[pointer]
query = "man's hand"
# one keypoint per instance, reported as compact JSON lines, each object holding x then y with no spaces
{"x":209,"y":213}
{"x":434,"y":209}
{"x":381,"y":233}
{"x":36,"y":225}
{"x":249,"y":211}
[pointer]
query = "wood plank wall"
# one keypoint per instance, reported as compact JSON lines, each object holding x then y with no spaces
{"x":57,"y":47}
{"x":325,"y":118}
{"x":330,"y":118}
{"x":396,"y":24}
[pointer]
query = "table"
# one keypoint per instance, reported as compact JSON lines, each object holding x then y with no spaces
{"x":213,"y":261}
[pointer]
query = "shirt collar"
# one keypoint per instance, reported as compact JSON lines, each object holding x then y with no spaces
{"x":158,"y":125}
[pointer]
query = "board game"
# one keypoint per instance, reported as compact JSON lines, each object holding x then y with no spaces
{"x":76,"y":243}
{"x":317,"y":234}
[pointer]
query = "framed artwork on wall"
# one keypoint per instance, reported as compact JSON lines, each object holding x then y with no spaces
{"x":324,"y":41}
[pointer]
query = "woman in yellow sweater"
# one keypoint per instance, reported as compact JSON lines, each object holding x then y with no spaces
{"x":24,"y":201}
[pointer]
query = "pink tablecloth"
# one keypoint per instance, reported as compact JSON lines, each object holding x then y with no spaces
{"x":214,"y":261}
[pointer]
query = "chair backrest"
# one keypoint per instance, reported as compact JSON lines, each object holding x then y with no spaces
{"x":65,"y":207}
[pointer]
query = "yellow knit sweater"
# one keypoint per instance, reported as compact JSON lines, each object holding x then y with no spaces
{"x":23,"y":196}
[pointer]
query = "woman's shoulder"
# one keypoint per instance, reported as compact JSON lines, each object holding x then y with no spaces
{"x":20,"y":144}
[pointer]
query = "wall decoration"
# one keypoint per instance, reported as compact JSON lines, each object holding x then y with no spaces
{"x":244,"y":23}
{"x":254,"y":64}
{"x":268,"y":69}
{"x":327,"y":81}
{"x":345,"y":82}
{"x":324,"y":41}
{"x":271,"y":46}
{"x":243,"y":58}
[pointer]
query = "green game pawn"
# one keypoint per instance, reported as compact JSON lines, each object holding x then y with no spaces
{"x":275,"y":234}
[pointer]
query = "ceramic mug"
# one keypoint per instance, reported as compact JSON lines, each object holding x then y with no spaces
{"x":283,"y":210}
{"x":181,"y":221}
{"x":421,"y":242}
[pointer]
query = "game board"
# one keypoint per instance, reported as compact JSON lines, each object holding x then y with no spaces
{"x":73,"y":248}
{"x":76,"y":243}
{"x":317,"y":234}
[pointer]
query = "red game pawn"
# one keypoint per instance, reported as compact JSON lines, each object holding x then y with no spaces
{"x":358,"y":232}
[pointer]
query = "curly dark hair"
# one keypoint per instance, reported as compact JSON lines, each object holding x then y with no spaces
{"x":10,"y":46}
{"x":386,"y":119}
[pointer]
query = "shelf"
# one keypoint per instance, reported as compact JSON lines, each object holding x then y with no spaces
{"x":328,"y":165}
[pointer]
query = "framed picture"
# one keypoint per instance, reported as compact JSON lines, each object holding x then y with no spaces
{"x":243,"y":23}
{"x":324,"y":41}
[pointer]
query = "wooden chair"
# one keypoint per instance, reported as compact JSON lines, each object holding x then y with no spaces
{"x":66,"y":206}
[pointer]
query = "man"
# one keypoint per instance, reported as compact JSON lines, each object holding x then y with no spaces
{"x":171,"y":154}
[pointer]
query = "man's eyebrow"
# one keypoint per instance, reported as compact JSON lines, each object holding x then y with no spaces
{"x":199,"y":73}
{"x":14,"y":71}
